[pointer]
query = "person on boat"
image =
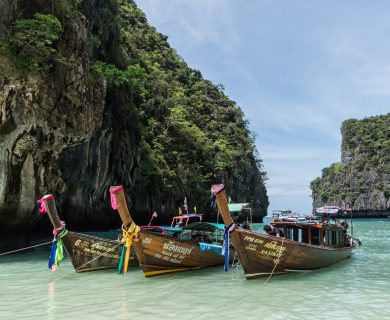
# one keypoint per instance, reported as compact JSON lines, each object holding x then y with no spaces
{"x":273,"y":231}
{"x":245,"y":225}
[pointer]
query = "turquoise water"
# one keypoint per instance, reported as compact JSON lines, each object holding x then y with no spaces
{"x":358,"y":288}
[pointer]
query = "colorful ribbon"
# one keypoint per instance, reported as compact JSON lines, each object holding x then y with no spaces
{"x":225,"y":246}
{"x":57,"y":251}
{"x":127,"y":238}
{"x":41,"y":202}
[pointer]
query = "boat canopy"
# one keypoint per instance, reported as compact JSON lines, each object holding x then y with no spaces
{"x":308,"y":224}
{"x":242,"y":210}
{"x":183,"y":219}
{"x":236,"y":208}
{"x":206,"y":226}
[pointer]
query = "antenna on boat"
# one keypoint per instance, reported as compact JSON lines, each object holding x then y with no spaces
{"x":154,"y":215}
{"x":351,"y":222}
{"x":185,"y":205}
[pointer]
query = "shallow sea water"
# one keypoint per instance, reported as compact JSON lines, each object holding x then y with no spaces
{"x":357,"y":288}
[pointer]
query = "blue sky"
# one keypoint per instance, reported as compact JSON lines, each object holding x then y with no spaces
{"x":297,"y":68}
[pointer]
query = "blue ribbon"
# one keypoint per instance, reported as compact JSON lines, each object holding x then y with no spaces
{"x":225,"y":246}
{"x":52,"y":257}
{"x":213,"y":202}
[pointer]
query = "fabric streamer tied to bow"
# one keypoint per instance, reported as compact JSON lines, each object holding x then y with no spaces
{"x":57,"y":251}
{"x":225,"y":246}
{"x":127,"y":237}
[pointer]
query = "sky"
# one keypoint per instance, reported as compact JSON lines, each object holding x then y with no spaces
{"x":297,"y":68}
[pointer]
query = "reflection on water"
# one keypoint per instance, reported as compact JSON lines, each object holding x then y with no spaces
{"x":357,"y":288}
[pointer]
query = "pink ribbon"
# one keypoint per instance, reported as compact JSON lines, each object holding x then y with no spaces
{"x":56,"y":230}
{"x":113,"y":190}
{"x":42,"y":207}
{"x":217,"y":189}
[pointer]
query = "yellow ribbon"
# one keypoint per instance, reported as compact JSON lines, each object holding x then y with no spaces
{"x":127,"y":237}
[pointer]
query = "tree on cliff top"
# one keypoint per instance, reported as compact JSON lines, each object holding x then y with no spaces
{"x":32,"y":42}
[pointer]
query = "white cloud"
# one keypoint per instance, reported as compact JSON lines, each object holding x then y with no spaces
{"x":203,"y":22}
{"x":297,"y":69}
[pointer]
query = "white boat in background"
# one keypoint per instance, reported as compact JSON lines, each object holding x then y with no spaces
{"x":282,"y":215}
{"x":328,"y":210}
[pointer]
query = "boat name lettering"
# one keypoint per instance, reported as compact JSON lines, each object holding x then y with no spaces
{"x":271,"y":253}
{"x":252,"y":239}
{"x":251,"y":246}
{"x":147,"y":241}
{"x":100,"y":247}
{"x":100,"y":254}
{"x":175,"y":248}
{"x":274,"y":246}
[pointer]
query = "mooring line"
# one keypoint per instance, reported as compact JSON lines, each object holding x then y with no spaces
{"x":93,"y":259}
{"x":276,"y":263}
{"x":17,"y":250}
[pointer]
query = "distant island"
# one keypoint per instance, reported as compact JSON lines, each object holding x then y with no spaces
{"x":361,"y":181}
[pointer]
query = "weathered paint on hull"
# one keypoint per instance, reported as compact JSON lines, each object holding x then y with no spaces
{"x":89,"y":253}
{"x":159,"y":254}
{"x":261,"y":255}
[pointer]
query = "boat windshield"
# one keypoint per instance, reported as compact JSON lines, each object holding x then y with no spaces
{"x":203,"y":232}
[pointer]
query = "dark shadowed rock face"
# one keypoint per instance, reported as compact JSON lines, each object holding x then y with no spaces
{"x":73,"y":133}
{"x":61,"y":135}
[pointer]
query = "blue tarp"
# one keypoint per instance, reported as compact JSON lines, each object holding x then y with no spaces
{"x":213,"y":247}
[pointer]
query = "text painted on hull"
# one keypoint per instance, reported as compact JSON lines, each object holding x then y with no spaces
{"x":173,"y":253}
{"x":96,"y":248}
{"x":267,"y":250}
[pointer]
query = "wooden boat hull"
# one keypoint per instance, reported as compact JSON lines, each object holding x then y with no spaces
{"x":262,"y":255}
{"x":89,"y":253}
{"x":159,"y":254}
{"x":86,"y":252}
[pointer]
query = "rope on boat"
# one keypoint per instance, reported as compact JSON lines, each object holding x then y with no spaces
{"x":22,"y":249}
{"x":276,"y":263}
{"x":109,"y":250}
{"x":236,"y":260}
{"x":95,"y":258}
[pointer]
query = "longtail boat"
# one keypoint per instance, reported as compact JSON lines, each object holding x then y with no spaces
{"x":162,"y":250}
{"x":306,"y":245}
{"x":86,"y":252}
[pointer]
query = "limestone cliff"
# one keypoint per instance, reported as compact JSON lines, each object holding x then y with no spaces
{"x":361,"y":180}
{"x":110,"y":104}
{"x":61,"y":135}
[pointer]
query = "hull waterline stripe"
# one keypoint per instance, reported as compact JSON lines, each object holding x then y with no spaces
{"x":297,"y":270}
{"x":154,"y":273}
{"x":251,"y":275}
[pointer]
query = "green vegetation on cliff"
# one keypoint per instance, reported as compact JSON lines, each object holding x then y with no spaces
{"x":181,"y":129}
{"x":31,"y":45}
{"x":190,"y":128}
{"x":362,"y":179}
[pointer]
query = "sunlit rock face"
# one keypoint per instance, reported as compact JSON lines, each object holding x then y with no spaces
{"x":361,"y":180}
